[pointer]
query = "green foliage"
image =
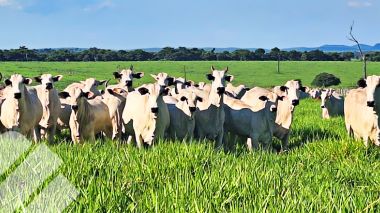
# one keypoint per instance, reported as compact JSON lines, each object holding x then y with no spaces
{"x":325,"y":80}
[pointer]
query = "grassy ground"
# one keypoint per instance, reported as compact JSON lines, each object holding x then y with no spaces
{"x":324,"y":171}
{"x":249,"y":73}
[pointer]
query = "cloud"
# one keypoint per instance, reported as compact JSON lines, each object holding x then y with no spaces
{"x":98,"y":6}
{"x":359,"y":3}
{"x":10,"y":3}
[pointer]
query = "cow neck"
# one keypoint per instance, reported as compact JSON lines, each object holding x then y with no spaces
{"x":284,"y":115}
{"x":215,"y":99}
{"x":82,"y":115}
{"x":23,"y":101}
{"x":184,"y":107}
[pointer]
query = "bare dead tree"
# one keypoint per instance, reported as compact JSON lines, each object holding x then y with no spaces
{"x":362,"y":55}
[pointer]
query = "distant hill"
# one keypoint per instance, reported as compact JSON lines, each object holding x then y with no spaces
{"x":324,"y":48}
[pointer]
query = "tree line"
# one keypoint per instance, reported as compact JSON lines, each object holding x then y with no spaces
{"x":176,"y":54}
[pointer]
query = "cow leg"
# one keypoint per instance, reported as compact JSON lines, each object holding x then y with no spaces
{"x":253,"y":143}
{"x":50,"y":133}
{"x":36,"y":134}
{"x":285,"y":142}
{"x":249,"y":144}
{"x":138,"y":141}
{"x":219,"y":140}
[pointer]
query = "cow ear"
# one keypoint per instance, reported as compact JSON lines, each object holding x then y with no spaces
{"x":165,"y":91}
{"x":210,"y":77}
{"x":362,"y":83}
{"x":280,"y":98}
{"x":263,"y":98}
{"x":246,"y":88}
{"x":143,"y":91}
{"x":199,"y":99}
{"x":102,"y":82}
{"x":170,"y":81}
{"x":57,"y":78}
{"x":110,"y":91}
{"x":27,"y":81}
{"x":88,"y":95}
{"x":138,"y":75}
{"x":303,"y":89}
{"x":117,"y":75}
{"x":284,"y":88}
{"x":229,"y":78}
{"x":63,"y":95}
{"x":154,"y":76}
{"x":38,"y":79}
{"x":183,"y":98}
{"x":8,"y":82}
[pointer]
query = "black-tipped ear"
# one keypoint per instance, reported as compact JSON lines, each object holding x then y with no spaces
{"x":170,"y":81}
{"x":362,"y":83}
{"x":38,"y":79}
{"x":228,"y":78}
{"x":303,"y":89}
{"x":117,"y":75}
{"x":8,"y":82}
{"x":165,"y":91}
{"x":63,"y":95}
{"x":284,"y":88}
{"x":187,"y":83}
{"x":183,"y":98}
{"x":143,"y":91}
{"x":102,"y":92}
{"x":263,"y":98}
{"x":102,"y":82}
{"x":210,"y":77}
{"x":199,"y":99}
{"x":280,"y":98}
{"x":57,"y":78}
{"x":246,"y":88}
{"x":138,"y":75}
{"x":27,"y":81}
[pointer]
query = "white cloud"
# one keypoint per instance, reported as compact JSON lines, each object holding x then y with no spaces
{"x":10,"y":3}
{"x":98,"y":6}
{"x":359,"y":3}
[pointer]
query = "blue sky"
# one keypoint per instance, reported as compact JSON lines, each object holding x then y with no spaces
{"x":118,"y":24}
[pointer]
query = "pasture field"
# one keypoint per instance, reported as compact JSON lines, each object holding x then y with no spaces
{"x":249,"y":73}
{"x":324,"y":171}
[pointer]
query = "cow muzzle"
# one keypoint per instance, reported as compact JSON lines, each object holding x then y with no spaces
{"x":17,"y":95}
{"x":49,"y":86}
{"x":154,"y":110}
{"x":273,"y":109}
{"x":74,"y":107}
{"x":221,"y":90}
{"x":371,"y":103}
{"x":192,"y":109}
{"x":128,"y":83}
{"x":295,"y":102}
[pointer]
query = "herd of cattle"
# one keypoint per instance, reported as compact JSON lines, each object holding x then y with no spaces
{"x":176,"y":108}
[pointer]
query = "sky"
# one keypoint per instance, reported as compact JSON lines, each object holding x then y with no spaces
{"x":126,"y":24}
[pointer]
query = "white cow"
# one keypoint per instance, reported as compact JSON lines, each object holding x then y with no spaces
{"x":88,"y":117}
{"x":125,"y":78}
{"x":140,"y":113}
{"x":372,"y":89}
{"x":361,"y":121}
{"x":332,"y":104}
{"x":21,"y":110}
{"x":209,"y":118}
{"x":51,"y":105}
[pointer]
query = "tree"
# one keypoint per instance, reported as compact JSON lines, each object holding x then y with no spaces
{"x":362,"y":55}
{"x":325,"y":80}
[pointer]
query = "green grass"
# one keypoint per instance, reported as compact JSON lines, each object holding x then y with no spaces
{"x":324,"y":171}
{"x":249,"y":73}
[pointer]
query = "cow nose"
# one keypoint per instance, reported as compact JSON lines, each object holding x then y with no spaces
{"x":154,"y":110}
{"x":49,"y":86}
{"x":192,"y":109}
{"x":17,"y":95}
{"x":221,"y":90}
{"x":322,"y":107}
{"x":274,"y":109}
{"x":74,"y":107}
{"x":295,"y":102}
{"x":128,"y":83}
{"x":371,"y":103}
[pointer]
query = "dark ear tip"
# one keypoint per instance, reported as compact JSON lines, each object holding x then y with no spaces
{"x":263,"y":98}
{"x":183,"y":98}
{"x":362,"y":83}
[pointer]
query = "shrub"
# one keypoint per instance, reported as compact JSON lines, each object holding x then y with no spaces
{"x":325,"y":80}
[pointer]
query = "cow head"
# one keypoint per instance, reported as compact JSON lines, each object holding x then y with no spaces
{"x":218,"y":79}
{"x":17,"y":84}
{"x":181,"y":83}
{"x":47,"y":80}
{"x":315,"y":93}
{"x":325,"y":95}
{"x":75,"y":97}
{"x":126,"y":76}
{"x":187,"y":102}
{"x":91,"y":86}
{"x":371,"y":83}
{"x":163,"y":79}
